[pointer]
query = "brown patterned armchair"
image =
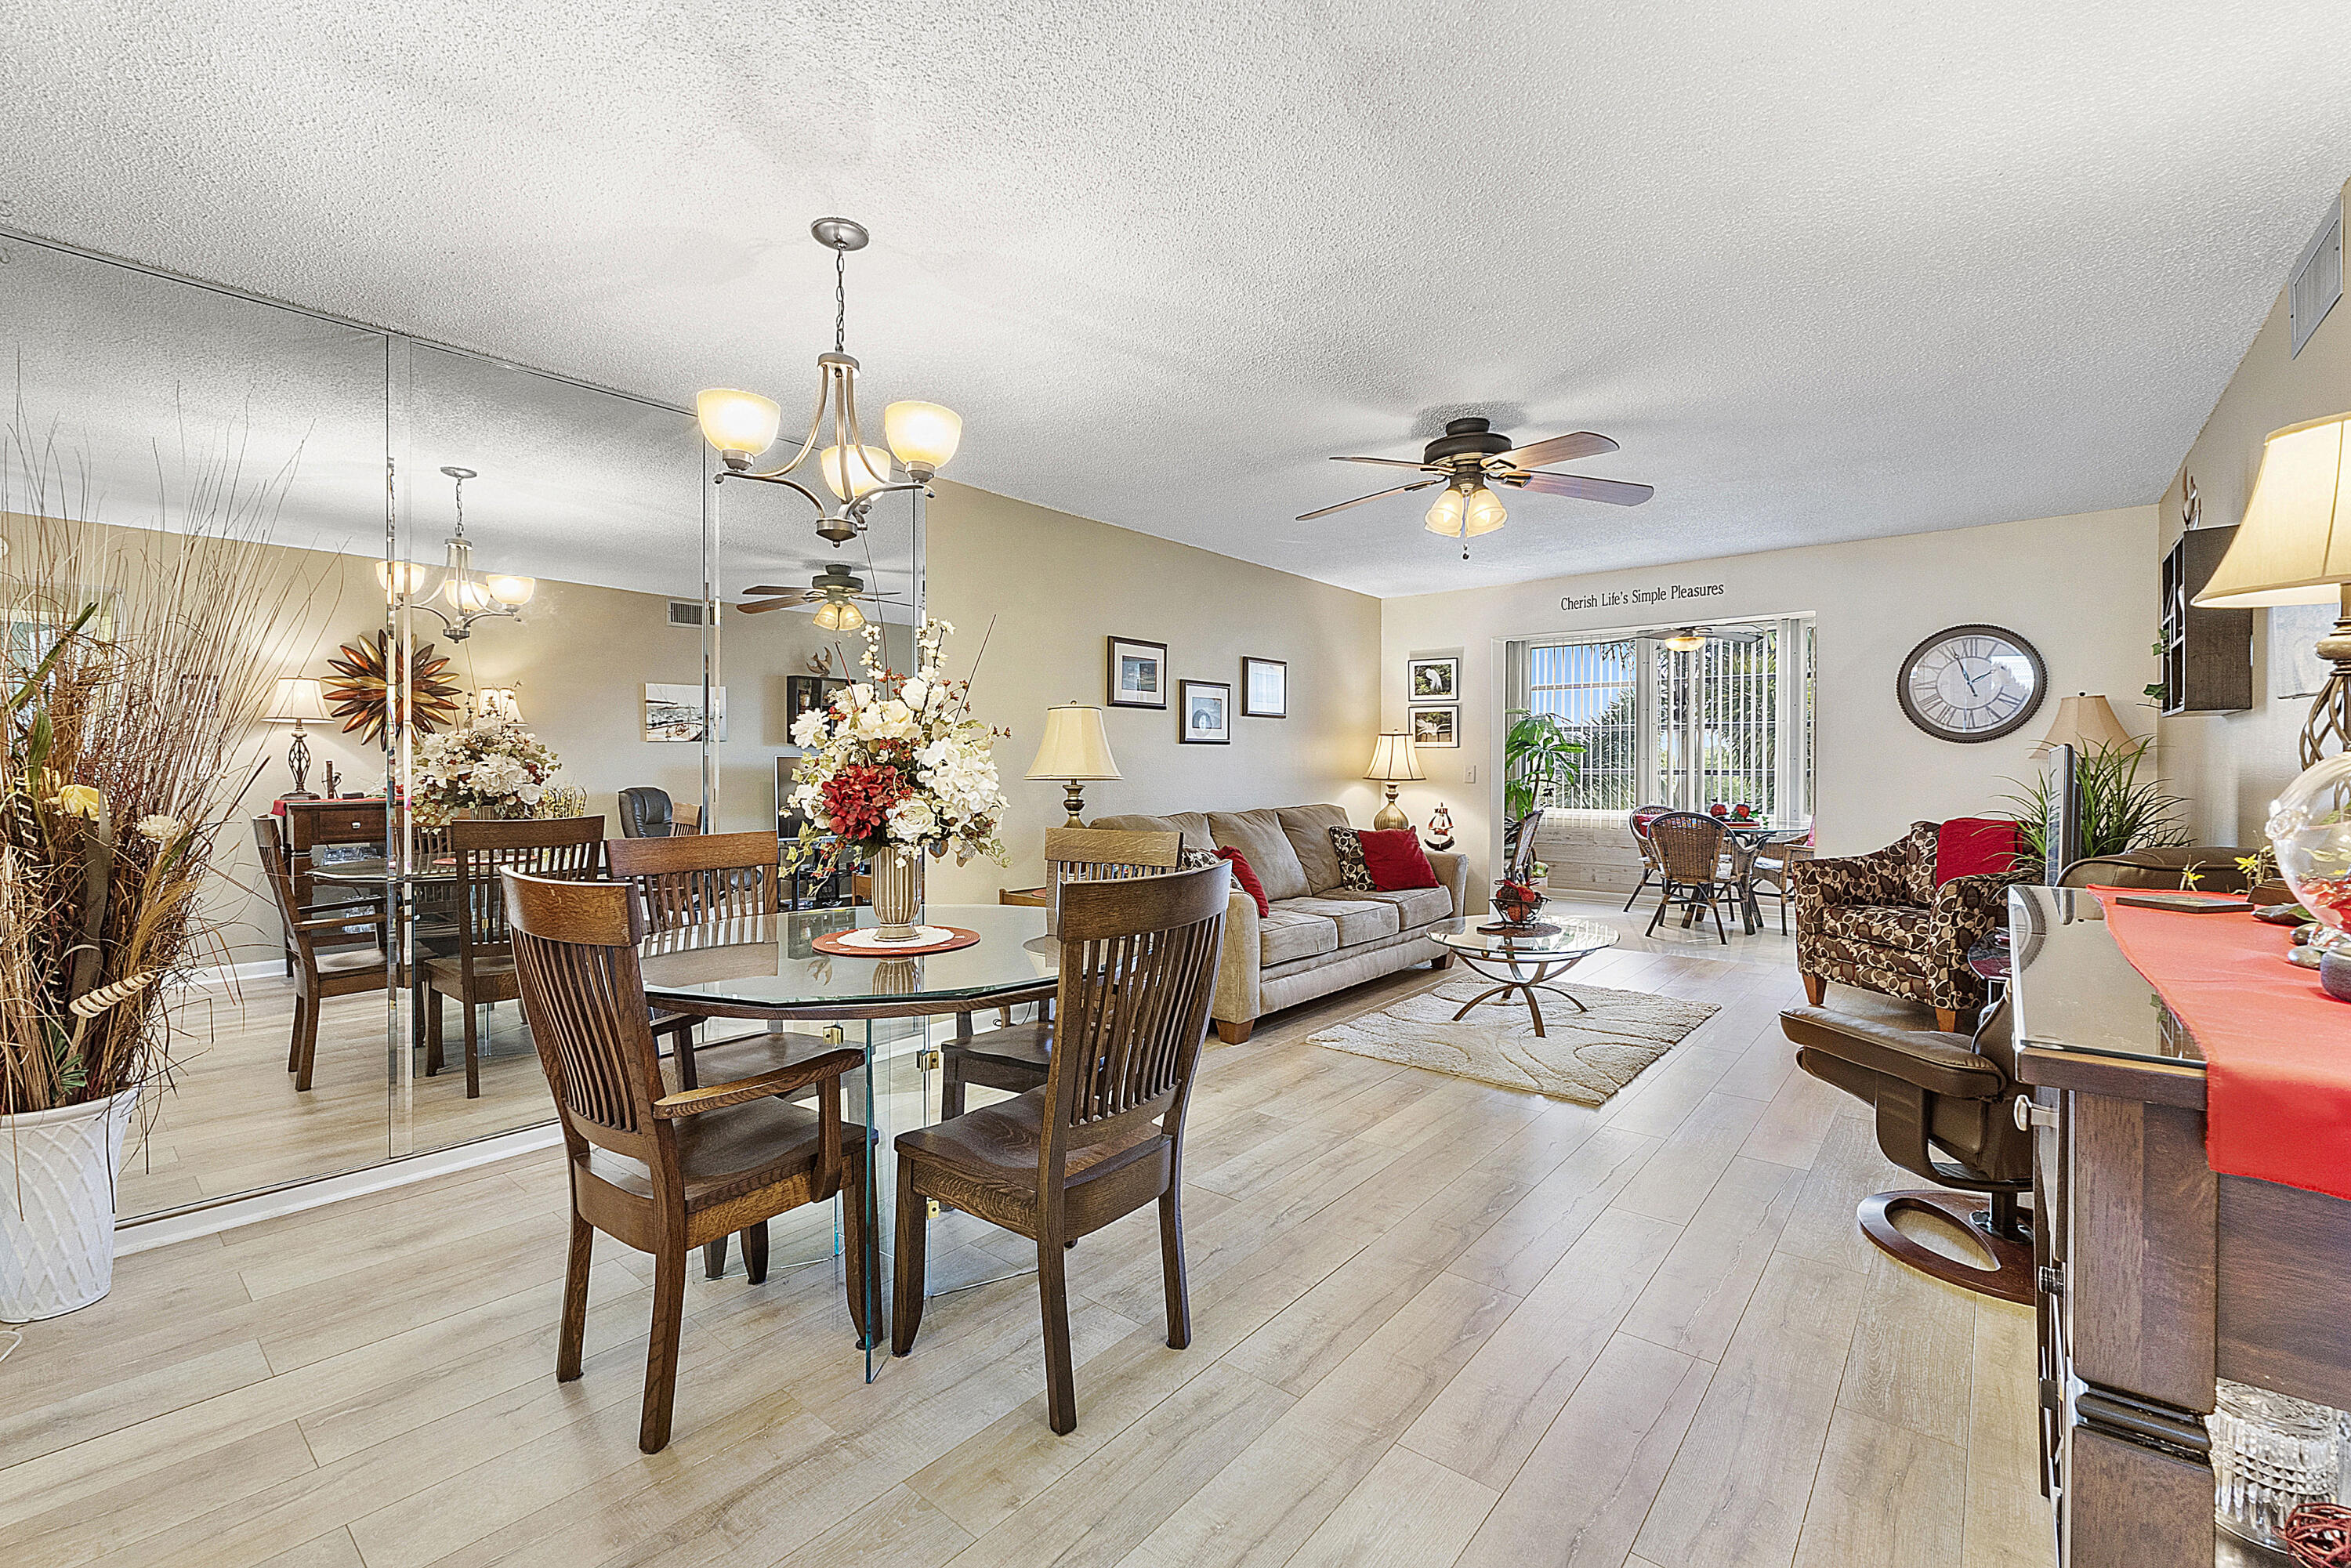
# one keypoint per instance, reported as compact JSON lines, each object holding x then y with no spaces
{"x":1879,"y":921}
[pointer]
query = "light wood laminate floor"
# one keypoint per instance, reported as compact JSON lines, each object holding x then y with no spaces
{"x":1435,"y":1324}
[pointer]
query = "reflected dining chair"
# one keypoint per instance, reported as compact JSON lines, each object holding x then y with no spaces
{"x":482,"y":971}
{"x":1690,"y":858}
{"x":321,"y":938}
{"x":1104,"y":1134}
{"x":658,"y":1171}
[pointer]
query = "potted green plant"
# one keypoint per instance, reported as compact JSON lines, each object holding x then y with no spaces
{"x":1538,"y":752}
{"x":2120,"y":810}
{"x":124,"y":710}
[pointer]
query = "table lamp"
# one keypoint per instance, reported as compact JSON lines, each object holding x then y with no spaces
{"x":1074,"y":749}
{"x":2085,"y":723}
{"x":2293,"y":547}
{"x":297,"y":702}
{"x":1394,"y":762}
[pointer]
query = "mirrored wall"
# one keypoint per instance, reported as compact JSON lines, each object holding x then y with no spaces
{"x":596,"y":617}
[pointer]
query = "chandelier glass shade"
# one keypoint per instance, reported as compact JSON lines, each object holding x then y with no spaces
{"x":742,"y":425}
{"x":471,"y":595}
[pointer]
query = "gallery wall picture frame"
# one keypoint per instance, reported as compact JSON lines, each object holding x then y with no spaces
{"x":1138,"y":672}
{"x":803,"y":694}
{"x":1206,"y":717}
{"x":1437,"y":724}
{"x":675,"y":712}
{"x":1265,"y":688}
{"x":1433,"y":680}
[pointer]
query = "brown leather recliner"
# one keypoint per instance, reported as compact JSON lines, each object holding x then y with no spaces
{"x":2215,"y":867}
{"x":1936,"y":1091}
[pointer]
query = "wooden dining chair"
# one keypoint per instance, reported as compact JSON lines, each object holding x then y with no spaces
{"x":1104,"y":1134}
{"x":482,"y":971}
{"x":327,"y":959}
{"x":664,"y":1172}
{"x":1690,"y":847}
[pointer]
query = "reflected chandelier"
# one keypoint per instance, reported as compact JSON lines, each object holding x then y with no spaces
{"x":475,"y":595}
{"x":922,"y":435}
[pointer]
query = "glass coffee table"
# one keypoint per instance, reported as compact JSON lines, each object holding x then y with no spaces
{"x":1520,"y":962}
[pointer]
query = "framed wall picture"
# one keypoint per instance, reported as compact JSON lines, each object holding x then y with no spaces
{"x":1434,"y":680}
{"x":804,"y":693}
{"x":1265,"y":688}
{"x":1138,"y":672}
{"x":1208,"y":713}
{"x":1437,"y":725}
{"x":675,"y":712}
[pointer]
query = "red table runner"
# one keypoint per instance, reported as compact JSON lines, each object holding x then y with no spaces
{"x":2277,"y":1049}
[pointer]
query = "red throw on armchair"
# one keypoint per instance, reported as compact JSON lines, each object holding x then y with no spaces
{"x":1887,"y":921}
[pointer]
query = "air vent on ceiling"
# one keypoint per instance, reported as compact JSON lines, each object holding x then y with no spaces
{"x":2317,"y":278}
{"x":685,"y":613}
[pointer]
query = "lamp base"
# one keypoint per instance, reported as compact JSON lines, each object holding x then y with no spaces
{"x":1074,"y":802}
{"x":2329,"y":725}
{"x":1390,"y":817}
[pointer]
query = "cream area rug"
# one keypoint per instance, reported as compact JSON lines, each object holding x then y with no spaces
{"x":1584,"y":1057}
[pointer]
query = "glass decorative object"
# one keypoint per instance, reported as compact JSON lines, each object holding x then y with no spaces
{"x":2270,"y":1454}
{"x":2309,"y":832}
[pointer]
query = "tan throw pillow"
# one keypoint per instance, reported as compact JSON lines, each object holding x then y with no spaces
{"x":1308,"y":827}
{"x":1258,"y":836}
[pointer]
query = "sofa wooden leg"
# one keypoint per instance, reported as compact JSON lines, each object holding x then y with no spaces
{"x":1232,"y":1032}
{"x":1815,"y":990}
{"x":1442,"y":961}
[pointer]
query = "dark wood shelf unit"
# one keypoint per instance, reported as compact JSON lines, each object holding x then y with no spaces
{"x":2208,"y":654}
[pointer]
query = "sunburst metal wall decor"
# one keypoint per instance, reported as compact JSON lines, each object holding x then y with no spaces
{"x":364,"y":675}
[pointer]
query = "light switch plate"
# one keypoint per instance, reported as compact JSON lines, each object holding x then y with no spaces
{"x":1469,"y":774}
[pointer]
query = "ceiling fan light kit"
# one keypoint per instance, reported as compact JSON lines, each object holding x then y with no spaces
{"x":922,"y":436}
{"x":1471,"y":458}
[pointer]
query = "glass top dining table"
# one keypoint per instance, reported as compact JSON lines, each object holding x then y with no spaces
{"x":769,"y":966}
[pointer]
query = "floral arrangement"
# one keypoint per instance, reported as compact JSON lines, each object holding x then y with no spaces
{"x":127,"y":710}
{"x":497,"y":769}
{"x":897,"y":761}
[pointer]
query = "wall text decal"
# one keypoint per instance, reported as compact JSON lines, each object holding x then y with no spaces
{"x":1670,"y":592}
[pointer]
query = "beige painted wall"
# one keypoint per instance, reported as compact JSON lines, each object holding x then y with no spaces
{"x":1058,"y":587}
{"x":2082,"y":589}
{"x":2233,"y":764}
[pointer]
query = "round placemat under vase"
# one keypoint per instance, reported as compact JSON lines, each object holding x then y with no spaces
{"x":1504,"y":928}
{"x":933,"y":939}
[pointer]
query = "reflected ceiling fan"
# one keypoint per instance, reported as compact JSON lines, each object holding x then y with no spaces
{"x":1470,"y":458}
{"x":1690,"y":639}
{"x":834,"y":591}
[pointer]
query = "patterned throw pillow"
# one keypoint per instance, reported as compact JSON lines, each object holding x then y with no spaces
{"x":1195,"y":860}
{"x":1355,"y":873}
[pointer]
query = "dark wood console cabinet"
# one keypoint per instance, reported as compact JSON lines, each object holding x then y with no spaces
{"x":2155,"y":1274}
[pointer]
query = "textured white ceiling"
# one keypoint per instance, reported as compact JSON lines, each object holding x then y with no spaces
{"x":1825,"y":270}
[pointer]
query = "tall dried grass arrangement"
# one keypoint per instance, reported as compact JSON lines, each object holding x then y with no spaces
{"x":135,"y":667}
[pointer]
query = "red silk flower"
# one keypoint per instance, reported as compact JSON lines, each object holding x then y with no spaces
{"x":856,"y":799}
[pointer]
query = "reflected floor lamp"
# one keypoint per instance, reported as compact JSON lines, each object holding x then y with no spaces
{"x":1075,"y":750}
{"x":1394,"y":762}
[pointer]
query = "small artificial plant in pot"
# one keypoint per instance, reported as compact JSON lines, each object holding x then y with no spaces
{"x":2120,"y":810}
{"x":125,"y":706}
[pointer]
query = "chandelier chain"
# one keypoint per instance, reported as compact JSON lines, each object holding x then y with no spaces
{"x":839,"y":301}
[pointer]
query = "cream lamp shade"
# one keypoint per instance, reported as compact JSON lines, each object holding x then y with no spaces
{"x":2088,"y":723}
{"x":922,"y":435}
{"x":851,"y":476}
{"x":736,"y":421}
{"x":297,"y":700}
{"x":1075,"y":748}
{"x":1394,"y":761}
{"x":2294,"y":546}
{"x":499,"y":702}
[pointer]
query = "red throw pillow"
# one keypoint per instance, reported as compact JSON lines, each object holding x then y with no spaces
{"x":1394,"y":858}
{"x":1246,"y":877}
{"x":1975,"y":846}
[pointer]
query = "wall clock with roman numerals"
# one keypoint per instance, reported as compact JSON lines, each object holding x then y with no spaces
{"x":1971,"y":683}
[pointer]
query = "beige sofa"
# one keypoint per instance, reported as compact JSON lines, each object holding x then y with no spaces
{"x":1316,"y":937}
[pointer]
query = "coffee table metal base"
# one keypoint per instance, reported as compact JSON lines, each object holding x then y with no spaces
{"x":1512,"y":983}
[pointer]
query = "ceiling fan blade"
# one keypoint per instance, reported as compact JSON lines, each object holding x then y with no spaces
{"x":1383,"y":462}
{"x":768,"y":604}
{"x":1615,"y":492}
{"x":1400,"y":489}
{"x":1559,"y":449}
{"x":767,"y":589}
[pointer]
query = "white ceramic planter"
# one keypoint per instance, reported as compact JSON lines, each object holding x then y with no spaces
{"x":57,"y":1206}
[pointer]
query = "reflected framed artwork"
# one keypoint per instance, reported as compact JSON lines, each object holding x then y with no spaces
{"x":1265,"y":688}
{"x":1437,"y":725}
{"x":675,"y":712}
{"x":1207,"y":710}
{"x":1138,"y":672}
{"x":1434,"y":680}
{"x":802,"y":694}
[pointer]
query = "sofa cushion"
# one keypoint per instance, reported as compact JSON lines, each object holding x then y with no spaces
{"x":1259,"y":835}
{"x":1308,"y":827}
{"x":1414,"y":905}
{"x":1359,"y":919}
{"x":1193,"y":825}
{"x":1287,"y":932}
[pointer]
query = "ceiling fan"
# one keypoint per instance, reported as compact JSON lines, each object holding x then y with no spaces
{"x":1470,"y":458}
{"x":1690,"y":639}
{"x":834,"y":589}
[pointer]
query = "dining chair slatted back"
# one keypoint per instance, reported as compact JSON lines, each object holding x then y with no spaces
{"x":1104,"y":854}
{"x":751,"y":1153}
{"x":338,"y":950}
{"x":1104,"y":1134}
{"x":694,"y":878}
{"x":558,"y":846}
